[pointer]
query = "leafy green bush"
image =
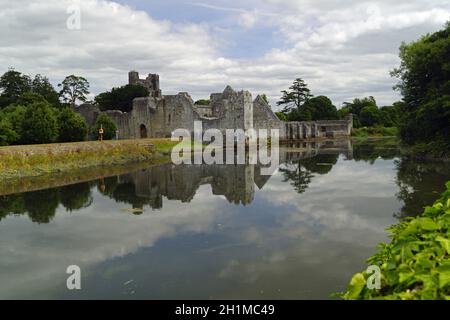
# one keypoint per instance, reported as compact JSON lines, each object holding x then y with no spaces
{"x":416,"y":264}
{"x":7,"y":134}
{"x":108,"y":125}
{"x":72,"y":126}
{"x":39,"y":124}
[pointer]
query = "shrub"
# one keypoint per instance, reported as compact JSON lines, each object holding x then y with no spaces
{"x":109,"y":127}
{"x":72,"y":126}
{"x":39,"y":124}
{"x":7,"y":134}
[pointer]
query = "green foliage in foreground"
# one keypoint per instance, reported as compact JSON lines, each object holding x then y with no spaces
{"x":416,"y":264}
{"x":379,"y":131}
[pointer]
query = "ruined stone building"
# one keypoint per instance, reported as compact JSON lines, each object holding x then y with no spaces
{"x":158,"y":115}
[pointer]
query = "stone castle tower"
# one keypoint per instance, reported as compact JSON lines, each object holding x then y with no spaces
{"x":151,"y":83}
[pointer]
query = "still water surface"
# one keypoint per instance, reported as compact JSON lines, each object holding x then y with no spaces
{"x":214,"y":232}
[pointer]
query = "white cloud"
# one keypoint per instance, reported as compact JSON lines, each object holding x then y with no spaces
{"x":342,"y":49}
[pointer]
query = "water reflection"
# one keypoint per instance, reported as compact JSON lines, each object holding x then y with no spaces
{"x":214,"y":231}
{"x":41,"y":205}
{"x":419,"y":182}
{"x":148,"y":187}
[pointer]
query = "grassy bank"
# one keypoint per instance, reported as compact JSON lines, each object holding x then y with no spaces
{"x":374,"y":132}
{"x":416,"y":264}
{"x":36,"y":160}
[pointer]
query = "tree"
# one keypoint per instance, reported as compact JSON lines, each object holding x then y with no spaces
{"x":282,"y":116}
{"x":28,"y":98}
{"x":12,"y":85}
{"x":370,"y":116}
{"x":424,"y":75}
{"x":303,"y":114}
{"x":321,"y":108}
{"x":264,"y":97}
{"x":72,"y":126}
{"x":39,"y":124}
{"x":74,"y":88}
{"x":41,"y":85}
{"x":108,"y":125}
{"x":202,"y":102}
{"x":343,"y":112}
{"x":15,"y":114}
{"x":120,"y":98}
{"x":390,"y":115}
{"x":296,"y":97}
{"x":7,"y":134}
{"x":357,"y":105}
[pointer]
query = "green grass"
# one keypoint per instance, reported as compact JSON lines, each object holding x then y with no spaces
{"x":35,"y":160}
{"x":368,"y":132}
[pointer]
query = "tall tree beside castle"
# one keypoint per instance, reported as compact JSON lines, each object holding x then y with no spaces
{"x":300,"y":105}
{"x":121,"y":98}
{"x":296,"y":97}
{"x":73,"y":89}
{"x":12,"y":85}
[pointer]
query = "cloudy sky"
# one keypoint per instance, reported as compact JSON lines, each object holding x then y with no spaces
{"x":343,"y":49}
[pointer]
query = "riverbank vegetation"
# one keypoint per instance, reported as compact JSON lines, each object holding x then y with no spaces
{"x":422,"y":116}
{"x":374,"y":132}
{"x":36,"y":160}
{"x":416,"y":263}
{"x":424,"y":75}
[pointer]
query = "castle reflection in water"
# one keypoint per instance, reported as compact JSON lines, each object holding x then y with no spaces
{"x":148,"y":188}
{"x":235,"y":182}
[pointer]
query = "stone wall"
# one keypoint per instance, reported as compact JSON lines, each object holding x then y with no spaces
{"x":159,"y":115}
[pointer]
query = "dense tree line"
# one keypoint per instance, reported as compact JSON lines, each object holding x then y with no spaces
{"x":424,"y":75}
{"x":33,"y":112}
{"x":423,"y":115}
{"x":366,"y":113}
{"x":120,"y":98}
{"x":300,"y":105}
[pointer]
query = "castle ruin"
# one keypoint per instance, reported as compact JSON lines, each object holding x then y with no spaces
{"x":158,"y":115}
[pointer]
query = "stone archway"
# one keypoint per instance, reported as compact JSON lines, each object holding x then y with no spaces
{"x":143,"y":131}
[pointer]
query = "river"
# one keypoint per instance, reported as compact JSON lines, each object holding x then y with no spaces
{"x":217,"y":231}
